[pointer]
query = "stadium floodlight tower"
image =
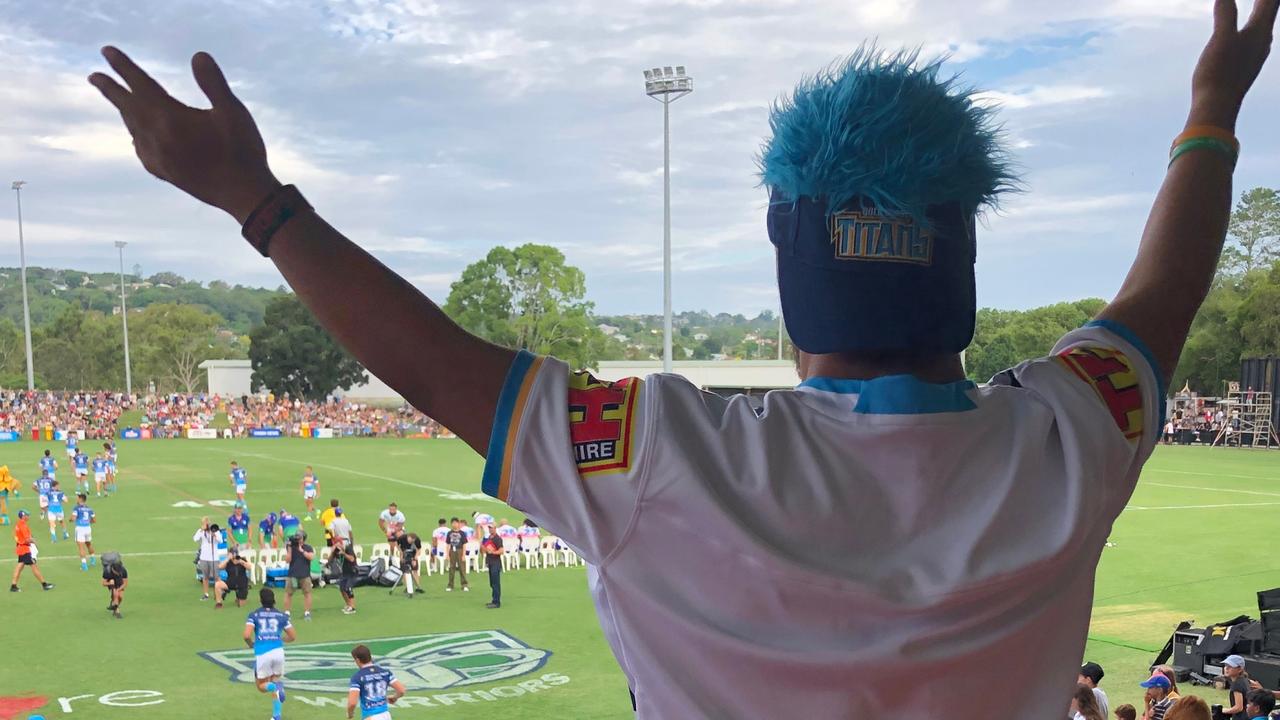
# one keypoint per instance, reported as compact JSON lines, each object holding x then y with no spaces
{"x":26,"y":309}
{"x":124,"y":321}
{"x":666,"y":86}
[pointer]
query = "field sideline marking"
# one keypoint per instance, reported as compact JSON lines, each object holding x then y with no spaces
{"x":1197,"y":507}
{"x":191,"y":552}
{"x":339,"y":468}
{"x":1206,"y":474}
{"x":1214,"y":489}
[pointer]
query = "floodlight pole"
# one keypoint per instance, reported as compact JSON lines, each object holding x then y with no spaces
{"x":26,"y":308}
{"x":124,"y":321}
{"x":665,"y":87}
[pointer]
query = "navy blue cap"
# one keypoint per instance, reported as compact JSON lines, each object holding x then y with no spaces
{"x":856,"y":280}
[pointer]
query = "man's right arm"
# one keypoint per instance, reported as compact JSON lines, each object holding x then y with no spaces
{"x":1178,"y":255}
{"x":218,"y":156}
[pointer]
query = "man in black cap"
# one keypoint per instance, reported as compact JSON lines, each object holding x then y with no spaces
{"x":932,"y":487}
{"x":1091,"y":674}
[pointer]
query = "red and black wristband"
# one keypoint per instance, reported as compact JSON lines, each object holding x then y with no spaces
{"x":277,"y":209}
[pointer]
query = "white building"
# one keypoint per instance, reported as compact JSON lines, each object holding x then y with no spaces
{"x":232,"y":377}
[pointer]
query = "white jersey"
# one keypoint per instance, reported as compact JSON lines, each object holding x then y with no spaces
{"x":955,"y":535}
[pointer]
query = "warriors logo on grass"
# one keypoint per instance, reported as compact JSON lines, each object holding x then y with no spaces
{"x":421,"y":662}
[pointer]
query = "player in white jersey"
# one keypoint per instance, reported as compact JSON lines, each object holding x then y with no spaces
{"x":952,"y":571}
{"x":310,"y":488}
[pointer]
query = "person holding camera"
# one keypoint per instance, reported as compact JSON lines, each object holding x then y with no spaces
{"x":410,"y":545}
{"x":299,"y":555}
{"x":347,"y":564}
{"x":237,"y":569}
{"x":208,"y":537}
{"x":115,"y":578}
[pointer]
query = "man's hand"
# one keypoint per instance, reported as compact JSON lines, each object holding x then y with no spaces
{"x":215,"y":155}
{"x":1230,"y":62}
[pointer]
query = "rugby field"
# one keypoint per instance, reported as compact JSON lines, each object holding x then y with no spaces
{"x":1193,"y":544}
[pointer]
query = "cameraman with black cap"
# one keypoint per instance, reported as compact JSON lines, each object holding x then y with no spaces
{"x":299,"y":555}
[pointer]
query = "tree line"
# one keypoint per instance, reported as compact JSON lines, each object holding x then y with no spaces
{"x":530,"y":297}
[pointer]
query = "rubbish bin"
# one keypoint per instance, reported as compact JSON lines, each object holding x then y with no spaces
{"x":35,"y":434}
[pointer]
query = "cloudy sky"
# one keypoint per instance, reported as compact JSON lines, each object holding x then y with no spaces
{"x":432,"y":131}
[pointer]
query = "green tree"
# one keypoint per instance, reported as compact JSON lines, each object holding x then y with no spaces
{"x":1211,"y":356}
{"x":171,"y":341}
{"x":80,"y":350}
{"x":291,"y":353}
{"x":1259,"y":315}
{"x":527,"y":297}
{"x":1253,"y":235}
{"x":1004,"y":338}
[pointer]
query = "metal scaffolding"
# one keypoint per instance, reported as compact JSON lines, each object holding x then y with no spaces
{"x":1248,"y":420}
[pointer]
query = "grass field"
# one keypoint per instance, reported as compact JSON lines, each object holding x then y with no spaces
{"x":1192,"y":544}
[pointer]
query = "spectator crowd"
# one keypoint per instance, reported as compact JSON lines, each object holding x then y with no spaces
{"x":97,"y":414}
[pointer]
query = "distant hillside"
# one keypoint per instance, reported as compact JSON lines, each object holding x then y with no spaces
{"x":52,"y":290}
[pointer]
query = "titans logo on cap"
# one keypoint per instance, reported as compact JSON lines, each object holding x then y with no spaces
{"x":868,"y":235}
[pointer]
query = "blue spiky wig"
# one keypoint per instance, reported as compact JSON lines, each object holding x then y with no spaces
{"x":876,"y":168}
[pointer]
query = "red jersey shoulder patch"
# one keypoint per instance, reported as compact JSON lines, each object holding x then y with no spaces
{"x":1111,"y":375}
{"x":602,"y":423}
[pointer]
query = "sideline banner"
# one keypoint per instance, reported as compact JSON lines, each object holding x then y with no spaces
{"x":130,"y":434}
{"x":264,"y":433}
{"x":322,"y":433}
{"x":202,"y":434}
{"x":10,"y":436}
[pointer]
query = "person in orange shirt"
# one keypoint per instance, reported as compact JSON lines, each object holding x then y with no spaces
{"x":22,"y":537}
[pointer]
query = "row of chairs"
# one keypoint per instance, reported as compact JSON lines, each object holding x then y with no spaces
{"x":530,"y":552}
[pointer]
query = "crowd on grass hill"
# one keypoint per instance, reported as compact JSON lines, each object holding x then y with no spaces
{"x":97,"y":414}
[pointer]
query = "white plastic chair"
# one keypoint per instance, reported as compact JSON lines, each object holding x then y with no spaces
{"x":251,"y":555}
{"x":548,"y":553}
{"x":359,"y":553}
{"x":424,"y":561}
{"x":471,"y":551}
{"x":529,"y":551}
{"x":567,"y":554}
{"x":441,"y":557}
{"x":510,"y":553}
{"x":381,"y":550}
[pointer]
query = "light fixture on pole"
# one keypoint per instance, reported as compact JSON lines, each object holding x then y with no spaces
{"x":666,"y":86}
{"x":124,"y":321}
{"x":26,"y":308}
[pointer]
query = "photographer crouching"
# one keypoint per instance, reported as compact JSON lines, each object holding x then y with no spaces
{"x":299,"y":555}
{"x":237,"y":569}
{"x":115,"y":578}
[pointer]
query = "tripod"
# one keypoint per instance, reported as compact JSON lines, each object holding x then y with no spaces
{"x":405,"y":575}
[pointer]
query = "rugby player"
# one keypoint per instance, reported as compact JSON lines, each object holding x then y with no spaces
{"x":57,"y":499}
{"x":266,"y":630}
{"x":239,"y":480}
{"x":81,"y":462}
{"x":310,"y":488}
{"x":42,"y":485}
{"x":112,"y":472}
{"x":99,"y":474}
{"x":238,"y":524}
{"x":369,"y":688}
{"x":83,"y":517}
{"x":268,"y":532}
{"x":952,"y":577}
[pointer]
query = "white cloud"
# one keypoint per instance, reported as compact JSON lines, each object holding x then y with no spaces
{"x":1040,"y":95}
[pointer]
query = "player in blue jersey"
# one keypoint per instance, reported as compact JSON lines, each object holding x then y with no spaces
{"x":310,"y":488}
{"x":42,"y":486}
{"x":238,"y":524}
{"x":99,"y":474}
{"x":57,"y":499}
{"x":81,"y":462}
{"x":239,"y":479}
{"x":268,"y":531}
{"x":73,"y":441}
{"x":289,"y":524}
{"x":369,"y":688}
{"x":266,"y":630}
{"x":50,"y":465}
{"x":84,"y":518}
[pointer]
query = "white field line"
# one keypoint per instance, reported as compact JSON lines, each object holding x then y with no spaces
{"x":189,"y":553}
{"x":1209,"y":474}
{"x":339,"y":468}
{"x":1215,"y":489}
{"x":1197,"y":507}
